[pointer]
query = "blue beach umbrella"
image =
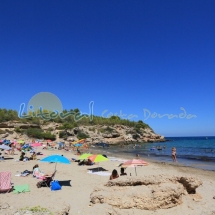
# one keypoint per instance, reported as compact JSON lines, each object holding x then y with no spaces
{"x":78,"y":145}
{"x":56,"y":159}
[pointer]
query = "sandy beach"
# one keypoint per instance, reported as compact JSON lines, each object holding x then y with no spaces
{"x":78,"y":184}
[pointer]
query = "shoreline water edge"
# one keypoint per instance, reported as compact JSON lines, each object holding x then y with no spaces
{"x":196,"y":152}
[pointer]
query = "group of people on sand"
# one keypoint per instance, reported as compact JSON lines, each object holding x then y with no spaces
{"x":23,"y":156}
{"x":115,"y":174}
{"x":87,"y":162}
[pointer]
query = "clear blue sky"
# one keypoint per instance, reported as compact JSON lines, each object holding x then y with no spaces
{"x":123,"y":55}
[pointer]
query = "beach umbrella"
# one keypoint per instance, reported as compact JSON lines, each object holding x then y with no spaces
{"x":78,"y":145}
{"x":56,"y":159}
{"x":134,"y":163}
{"x":98,"y":158}
{"x":82,"y":141}
{"x":4,"y":147}
{"x":36,"y":144}
{"x":84,"y":156}
{"x":20,"y":141}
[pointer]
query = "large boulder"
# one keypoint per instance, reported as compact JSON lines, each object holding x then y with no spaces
{"x":148,"y":193}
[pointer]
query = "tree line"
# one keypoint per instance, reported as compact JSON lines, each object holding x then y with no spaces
{"x":69,"y":122}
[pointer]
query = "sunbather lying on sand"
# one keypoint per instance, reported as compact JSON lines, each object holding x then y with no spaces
{"x":86,"y":162}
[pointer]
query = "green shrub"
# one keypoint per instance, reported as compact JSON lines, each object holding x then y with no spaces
{"x":37,"y":209}
{"x":92,"y":129}
{"x":35,"y":133}
{"x":39,"y":134}
{"x":82,"y":135}
{"x":65,"y":126}
{"x":106,"y":130}
{"x":50,"y":129}
{"x":63,"y":134}
{"x":48,"y":135}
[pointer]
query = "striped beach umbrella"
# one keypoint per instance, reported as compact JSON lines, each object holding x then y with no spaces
{"x":134,"y":163}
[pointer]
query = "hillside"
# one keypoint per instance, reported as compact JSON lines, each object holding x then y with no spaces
{"x":111,"y":130}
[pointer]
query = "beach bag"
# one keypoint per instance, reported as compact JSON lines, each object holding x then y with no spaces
{"x":55,"y":185}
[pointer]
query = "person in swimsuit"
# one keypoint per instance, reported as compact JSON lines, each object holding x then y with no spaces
{"x":174,"y":154}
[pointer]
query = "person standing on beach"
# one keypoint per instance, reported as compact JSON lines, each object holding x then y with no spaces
{"x":174,"y":154}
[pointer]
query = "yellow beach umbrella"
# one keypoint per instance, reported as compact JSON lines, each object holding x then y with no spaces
{"x":84,"y":156}
{"x":21,"y":141}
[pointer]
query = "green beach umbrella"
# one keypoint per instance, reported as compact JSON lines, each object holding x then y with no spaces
{"x":97,"y":159}
{"x":84,"y":156}
{"x":20,"y":141}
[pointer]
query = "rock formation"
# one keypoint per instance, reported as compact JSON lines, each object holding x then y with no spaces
{"x":97,"y":133}
{"x":148,"y":193}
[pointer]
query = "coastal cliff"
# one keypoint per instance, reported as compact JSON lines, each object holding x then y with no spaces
{"x":112,"y":134}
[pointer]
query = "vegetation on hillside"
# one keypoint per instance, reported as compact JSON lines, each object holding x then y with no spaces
{"x":68,"y":123}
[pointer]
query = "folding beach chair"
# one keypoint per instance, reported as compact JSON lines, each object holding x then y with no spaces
{"x":46,"y":181}
{"x":5,"y":182}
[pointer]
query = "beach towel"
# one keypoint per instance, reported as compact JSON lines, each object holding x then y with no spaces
{"x":100,"y":173}
{"x":24,"y":174}
{"x":21,"y":188}
{"x":117,"y":159}
{"x":5,"y":181}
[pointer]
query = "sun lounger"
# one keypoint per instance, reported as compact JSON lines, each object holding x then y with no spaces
{"x":5,"y":182}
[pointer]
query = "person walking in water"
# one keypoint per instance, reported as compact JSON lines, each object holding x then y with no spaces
{"x":174,"y":154}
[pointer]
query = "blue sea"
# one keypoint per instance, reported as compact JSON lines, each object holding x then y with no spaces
{"x":198,"y":152}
